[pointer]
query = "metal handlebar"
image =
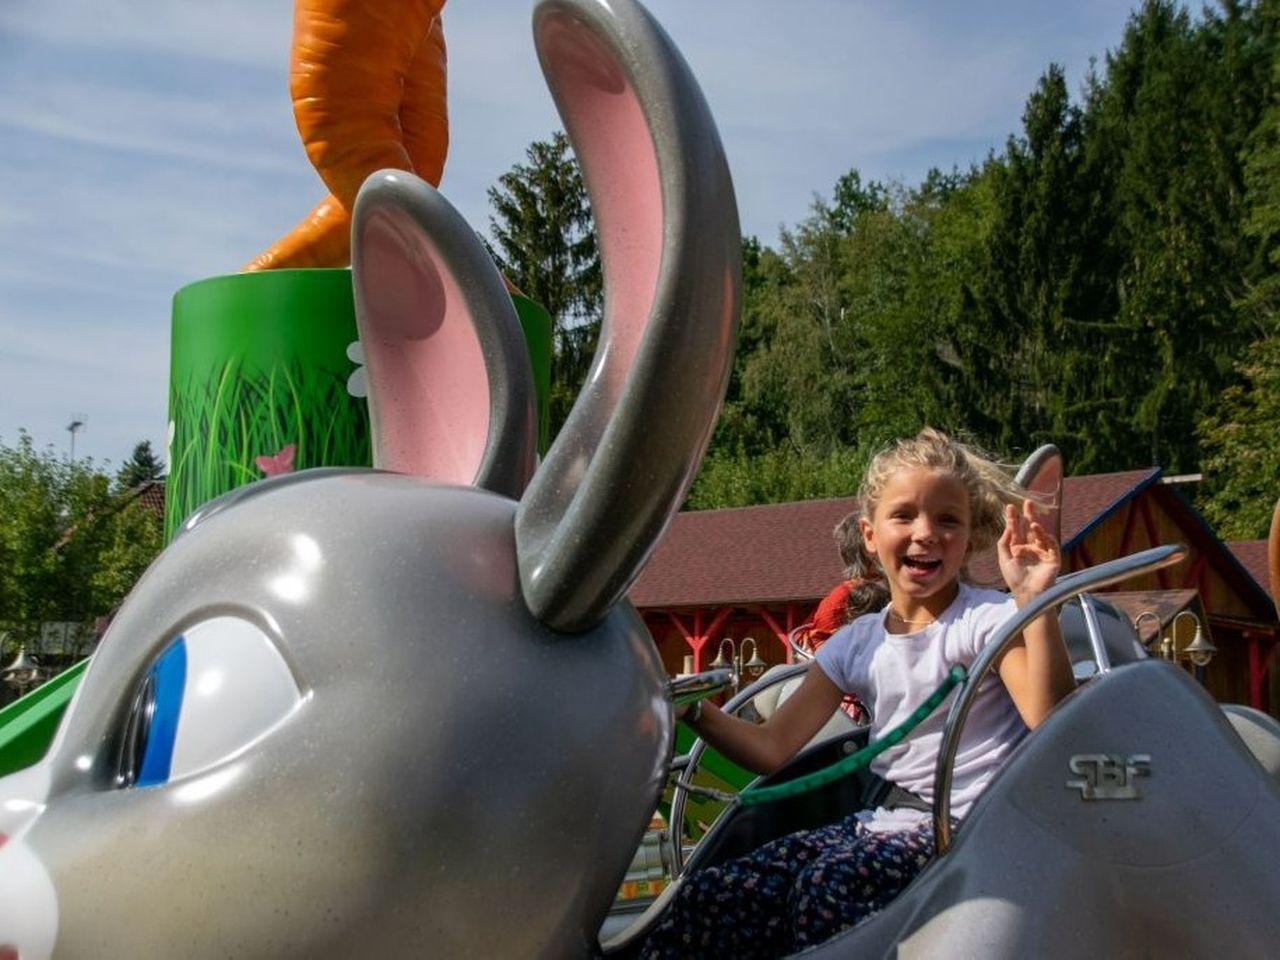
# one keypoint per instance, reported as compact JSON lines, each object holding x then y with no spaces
{"x":688,"y":763}
{"x":691,"y":687}
{"x":802,"y":652}
{"x":1101,"y":575}
{"x":1101,"y":658}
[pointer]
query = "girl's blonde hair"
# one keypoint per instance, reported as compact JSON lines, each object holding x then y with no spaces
{"x":989,"y":484}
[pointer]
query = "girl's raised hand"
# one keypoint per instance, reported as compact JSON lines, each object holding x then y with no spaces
{"x":1029,"y":555}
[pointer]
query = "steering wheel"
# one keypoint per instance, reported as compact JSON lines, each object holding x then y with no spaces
{"x":1101,"y":575}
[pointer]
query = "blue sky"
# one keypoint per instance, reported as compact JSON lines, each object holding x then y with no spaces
{"x":146,"y":144}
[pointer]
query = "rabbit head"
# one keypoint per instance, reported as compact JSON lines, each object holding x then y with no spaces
{"x":409,"y":710}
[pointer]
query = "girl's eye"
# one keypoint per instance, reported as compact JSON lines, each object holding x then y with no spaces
{"x":214,"y":690}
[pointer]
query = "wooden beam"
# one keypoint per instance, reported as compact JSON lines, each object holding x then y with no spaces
{"x":779,"y":632}
{"x":1153,"y":536}
{"x":1197,"y":578}
{"x":697,"y":635}
{"x":1126,"y":535}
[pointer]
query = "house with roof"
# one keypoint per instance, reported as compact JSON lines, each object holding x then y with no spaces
{"x":721,"y":577}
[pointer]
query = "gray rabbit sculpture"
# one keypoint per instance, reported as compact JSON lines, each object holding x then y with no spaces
{"x":376,"y":713}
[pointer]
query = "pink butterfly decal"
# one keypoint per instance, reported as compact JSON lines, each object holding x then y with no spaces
{"x":273,"y":465}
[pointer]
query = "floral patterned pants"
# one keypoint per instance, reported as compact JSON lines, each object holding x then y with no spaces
{"x":793,"y":893}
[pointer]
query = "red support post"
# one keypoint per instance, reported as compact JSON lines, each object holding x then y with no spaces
{"x":697,"y":637}
{"x":1255,"y":674}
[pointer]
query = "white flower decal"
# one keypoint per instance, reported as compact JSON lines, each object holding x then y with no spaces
{"x":357,"y":385}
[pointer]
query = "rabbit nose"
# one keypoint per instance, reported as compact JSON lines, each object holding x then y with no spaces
{"x":28,"y":899}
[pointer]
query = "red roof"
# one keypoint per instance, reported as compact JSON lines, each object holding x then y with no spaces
{"x":1252,"y":555}
{"x":776,"y":552}
{"x":151,"y":495}
{"x":785,"y":551}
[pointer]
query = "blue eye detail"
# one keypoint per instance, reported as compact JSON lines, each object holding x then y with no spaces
{"x":215,"y":690}
{"x":169,"y":683}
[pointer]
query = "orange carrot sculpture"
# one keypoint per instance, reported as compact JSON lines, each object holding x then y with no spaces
{"x":1273,"y":557}
{"x":367,"y":79}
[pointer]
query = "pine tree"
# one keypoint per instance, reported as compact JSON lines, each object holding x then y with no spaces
{"x":1034,"y":363}
{"x":546,"y":245}
{"x":141,"y":467}
{"x":1170,"y":119}
{"x":1260,"y":303}
{"x":1242,"y":460}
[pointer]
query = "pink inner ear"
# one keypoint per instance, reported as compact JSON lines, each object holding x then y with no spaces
{"x":611,"y":138}
{"x":428,"y":386}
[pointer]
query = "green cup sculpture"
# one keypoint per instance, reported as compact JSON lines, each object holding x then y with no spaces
{"x":267,"y":377}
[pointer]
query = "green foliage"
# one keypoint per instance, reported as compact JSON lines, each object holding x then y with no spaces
{"x":1093,"y":285}
{"x":132,"y":537}
{"x":837,"y":326}
{"x":1261,"y":299}
{"x":70,"y":548}
{"x":1169,"y":126}
{"x":1097,"y":283}
{"x":1038,"y":357}
{"x":776,"y":476}
{"x":1242,"y":457}
{"x":546,"y":246}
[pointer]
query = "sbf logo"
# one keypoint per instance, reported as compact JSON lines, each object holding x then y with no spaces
{"x":1106,"y":776}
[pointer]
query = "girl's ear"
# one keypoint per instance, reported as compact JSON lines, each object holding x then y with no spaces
{"x":868,"y":537}
{"x":450,"y":384}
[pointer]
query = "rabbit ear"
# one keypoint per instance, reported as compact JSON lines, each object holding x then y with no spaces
{"x":450,"y":385}
{"x":671,"y":248}
{"x":1042,"y":473}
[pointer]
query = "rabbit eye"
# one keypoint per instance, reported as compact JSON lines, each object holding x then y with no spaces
{"x":213,"y":691}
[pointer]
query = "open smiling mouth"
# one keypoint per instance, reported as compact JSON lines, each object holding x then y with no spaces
{"x":920,"y":564}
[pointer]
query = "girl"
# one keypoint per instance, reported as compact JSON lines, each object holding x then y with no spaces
{"x":926,"y":505}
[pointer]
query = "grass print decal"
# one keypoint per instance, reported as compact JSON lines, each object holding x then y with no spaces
{"x":236,"y":429}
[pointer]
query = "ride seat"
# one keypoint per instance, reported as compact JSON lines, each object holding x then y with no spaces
{"x":1260,"y":733}
{"x":766,"y":702}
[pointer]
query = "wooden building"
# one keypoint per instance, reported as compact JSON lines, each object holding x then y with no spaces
{"x":721,"y":577}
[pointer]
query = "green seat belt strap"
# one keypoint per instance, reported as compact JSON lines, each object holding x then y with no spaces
{"x":855,"y":761}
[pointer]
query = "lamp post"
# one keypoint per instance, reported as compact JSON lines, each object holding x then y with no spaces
{"x":23,"y":673}
{"x":76,"y":424}
{"x":735,"y":661}
{"x":1199,"y":651}
{"x":1155,"y":637}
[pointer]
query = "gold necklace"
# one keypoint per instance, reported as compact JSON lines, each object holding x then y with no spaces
{"x":910,"y":623}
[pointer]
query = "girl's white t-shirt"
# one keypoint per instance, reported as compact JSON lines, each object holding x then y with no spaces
{"x":894,"y":673}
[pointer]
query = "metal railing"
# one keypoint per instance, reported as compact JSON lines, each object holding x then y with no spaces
{"x":1101,"y":575}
